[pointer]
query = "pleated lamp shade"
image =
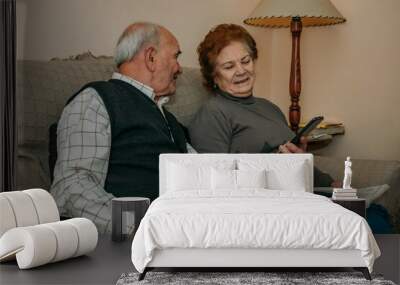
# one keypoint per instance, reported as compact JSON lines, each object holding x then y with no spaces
{"x":279,"y":13}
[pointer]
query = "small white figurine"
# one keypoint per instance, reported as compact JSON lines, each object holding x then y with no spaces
{"x":347,"y":174}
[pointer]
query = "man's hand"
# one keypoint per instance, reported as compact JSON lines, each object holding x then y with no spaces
{"x":292,"y":148}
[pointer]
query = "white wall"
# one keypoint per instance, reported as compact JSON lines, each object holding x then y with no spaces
{"x":60,"y":28}
{"x":349,"y":71}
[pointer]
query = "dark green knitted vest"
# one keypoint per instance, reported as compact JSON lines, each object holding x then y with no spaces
{"x":140,"y":133}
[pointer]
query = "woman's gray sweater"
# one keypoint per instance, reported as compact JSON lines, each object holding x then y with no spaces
{"x":228,"y":124}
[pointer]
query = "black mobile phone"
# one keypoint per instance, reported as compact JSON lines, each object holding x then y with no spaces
{"x":312,"y":124}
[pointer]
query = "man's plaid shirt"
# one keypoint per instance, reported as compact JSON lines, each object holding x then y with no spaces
{"x":83,"y":146}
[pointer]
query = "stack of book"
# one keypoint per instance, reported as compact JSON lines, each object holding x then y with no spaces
{"x":325,"y":131}
{"x":344,"y":194}
{"x":329,"y":128}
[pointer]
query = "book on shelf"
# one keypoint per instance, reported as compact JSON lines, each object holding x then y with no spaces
{"x":324,"y":131}
{"x":333,"y":130}
{"x":329,"y":124}
{"x":324,"y":124}
{"x":318,"y":138}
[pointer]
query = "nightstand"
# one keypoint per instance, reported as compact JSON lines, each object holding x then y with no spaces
{"x":356,"y":205}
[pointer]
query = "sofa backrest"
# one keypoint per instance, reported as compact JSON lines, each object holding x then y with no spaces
{"x":43,"y":88}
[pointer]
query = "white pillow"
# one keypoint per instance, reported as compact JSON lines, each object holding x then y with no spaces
{"x":188,"y":175}
{"x":223,"y":179}
{"x":287,"y":177}
{"x":281,"y":173}
{"x":251,"y":178}
{"x":236,"y":179}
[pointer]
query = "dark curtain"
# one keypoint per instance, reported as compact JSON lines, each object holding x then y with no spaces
{"x":7,"y":95}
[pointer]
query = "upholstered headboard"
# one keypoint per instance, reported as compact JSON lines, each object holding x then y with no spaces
{"x":229,"y":161}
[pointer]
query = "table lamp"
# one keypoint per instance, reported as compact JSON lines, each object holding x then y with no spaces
{"x":294,"y":14}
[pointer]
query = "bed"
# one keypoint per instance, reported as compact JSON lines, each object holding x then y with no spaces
{"x":245,"y":211}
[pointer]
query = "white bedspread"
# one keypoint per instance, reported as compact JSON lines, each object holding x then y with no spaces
{"x":250,"y":219}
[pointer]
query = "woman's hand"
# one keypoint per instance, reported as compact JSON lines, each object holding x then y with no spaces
{"x":336,"y":184}
{"x":292,"y":148}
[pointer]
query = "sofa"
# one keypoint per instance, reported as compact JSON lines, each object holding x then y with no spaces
{"x":44,"y":86}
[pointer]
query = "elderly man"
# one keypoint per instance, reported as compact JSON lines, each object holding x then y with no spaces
{"x":111,"y":133}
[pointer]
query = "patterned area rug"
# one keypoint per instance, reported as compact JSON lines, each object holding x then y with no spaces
{"x":244,"y":278}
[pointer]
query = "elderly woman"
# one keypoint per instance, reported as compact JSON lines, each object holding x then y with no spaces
{"x":234,"y":121}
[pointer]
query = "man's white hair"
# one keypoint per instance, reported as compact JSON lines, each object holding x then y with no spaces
{"x":134,"y":39}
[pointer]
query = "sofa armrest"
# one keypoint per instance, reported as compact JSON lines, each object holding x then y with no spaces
{"x":31,"y":170}
{"x":370,"y":173}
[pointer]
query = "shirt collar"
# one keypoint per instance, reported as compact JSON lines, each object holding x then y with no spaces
{"x":162,"y":100}
{"x":147,"y":90}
